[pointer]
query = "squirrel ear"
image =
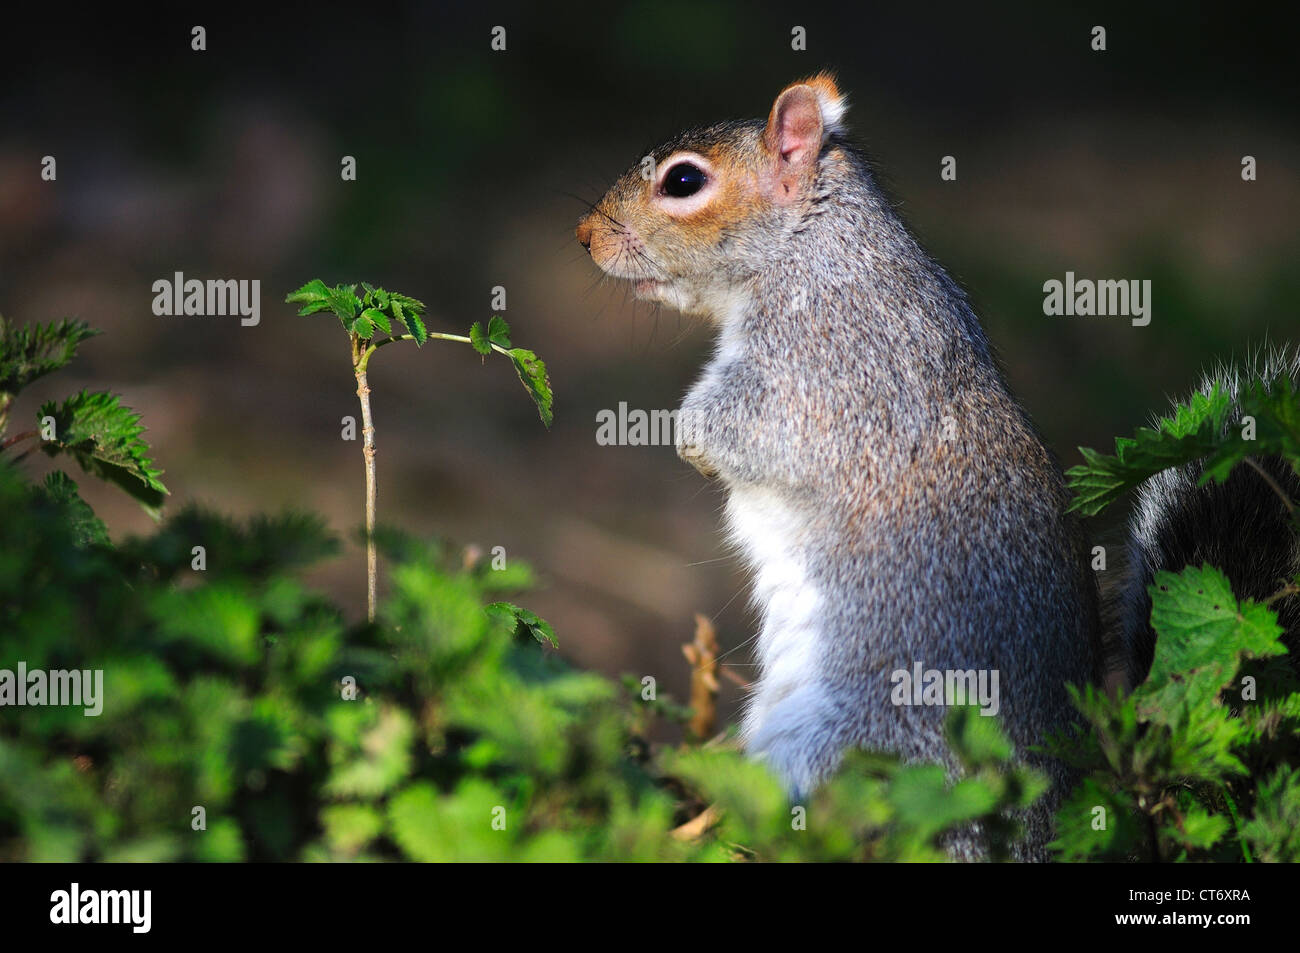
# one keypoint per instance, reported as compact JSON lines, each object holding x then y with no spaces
{"x":802,"y":118}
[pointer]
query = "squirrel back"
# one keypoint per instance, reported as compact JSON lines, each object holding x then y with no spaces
{"x":897,"y":508}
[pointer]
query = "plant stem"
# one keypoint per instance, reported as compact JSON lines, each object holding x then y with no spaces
{"x":25,"y":435}
{"x":1236,"y":823}
{"x":433,"y":335}
{"x":368,"y":450}
{"x":362,"y":350}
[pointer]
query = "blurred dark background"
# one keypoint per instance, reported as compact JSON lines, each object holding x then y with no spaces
{"x":473,"y":167}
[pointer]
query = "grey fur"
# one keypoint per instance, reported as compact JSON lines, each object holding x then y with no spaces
{"x":843,"y":347}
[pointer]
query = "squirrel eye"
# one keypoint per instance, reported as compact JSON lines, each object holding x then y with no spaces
{"x":683,"y":180}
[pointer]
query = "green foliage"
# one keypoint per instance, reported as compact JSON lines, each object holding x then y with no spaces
{"x":1174,"y":770}
{"x":448,"y":730}
{"x":30,"y":352}
{"x":58,"y":488}
{"x":93,"y":428}
{"x":1199,"y":762}
{"x":444,"y":731}
{"x":522,"y":622}
{"x":104,"y":438}
{"x":498,"y":333}
{"x":532,"y":374}
{"x":373,"y":310}
{"x":874,"y":809}
{"x":1198,"y":429}
{"x":377,"y":310}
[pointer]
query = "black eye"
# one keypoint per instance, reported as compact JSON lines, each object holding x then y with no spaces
{"x":683,"y":180}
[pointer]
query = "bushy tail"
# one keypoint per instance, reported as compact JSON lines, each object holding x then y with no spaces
{"x":1241,"y":526}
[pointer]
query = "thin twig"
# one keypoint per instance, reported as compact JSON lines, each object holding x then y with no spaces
{"x":699,"y":825}
{"x":25,"y":435}
{"x":703,"y":656}
{"x":368,"y":450}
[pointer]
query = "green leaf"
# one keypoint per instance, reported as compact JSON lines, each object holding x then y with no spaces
{"x":104,"y":438}
{"x":88,"y":529}
{"x":432,"y":828}
{"x":378,"y":319}
{"x":532,"y":373}
{"x":370,"y":749}
{"x":923,"y":800}
{"x":32,"y":351}
{"x":1274,"y":409}
{"x":1202,"y":634}
{"x":1202,"y":830}
{"x":363,"y":328}
{"x":498,"y":331}
{"x":350,"y":827}
{"x":977,"y":740}
{"x":1191,"y":433}
{"x":407,"y":311}
{"x":313,"y":296}
{"x":343,"y":302}
{"x":523,"y":622}
{"x":478,"y":340}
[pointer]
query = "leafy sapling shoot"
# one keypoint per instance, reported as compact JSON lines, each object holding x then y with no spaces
{"x":377,"y":312}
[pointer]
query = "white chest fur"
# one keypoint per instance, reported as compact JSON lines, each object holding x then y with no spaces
{"x":787,"y":701}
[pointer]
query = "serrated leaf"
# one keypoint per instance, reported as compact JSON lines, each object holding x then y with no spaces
{"x":104,"y":438}
{"x":1203,"y":631}
{"x":32,"y":351}
{"x":408,"y":311}
{"x":407,"y":302}
{"x":60,"y":489}
{"x":362,"y":327}
{"x":1188,"y":435}
{"x":532,"y":373}
{"x":314,"y":296}
{"x":1203,"y":635}
{"x":343,"y":302}
{"x":478,"y":340}
{"x":378,"y":319}
{"x":498,"y":332}
{"x":1274,"y":409}
{"x":523,"y":622}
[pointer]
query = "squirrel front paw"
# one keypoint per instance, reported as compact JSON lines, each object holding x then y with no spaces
{"x":695,"y":457}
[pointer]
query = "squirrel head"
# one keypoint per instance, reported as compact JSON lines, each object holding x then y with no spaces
{"x":703,"y":212}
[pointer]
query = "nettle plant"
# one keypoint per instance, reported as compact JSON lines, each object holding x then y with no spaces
{"x":369,"y":319}
{"x":1202,"y":760}
{"x":245,"y":717}
{"x":93,"y":428}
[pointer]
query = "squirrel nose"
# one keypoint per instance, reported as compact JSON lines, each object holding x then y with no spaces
{"x":584,"y":233}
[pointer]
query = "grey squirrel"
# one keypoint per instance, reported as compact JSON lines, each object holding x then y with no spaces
{"x":892,"y":498}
